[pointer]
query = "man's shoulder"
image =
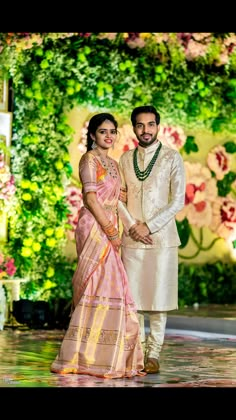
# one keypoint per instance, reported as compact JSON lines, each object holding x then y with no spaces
{"x":127,"y":154}
{"x":169,"y":150}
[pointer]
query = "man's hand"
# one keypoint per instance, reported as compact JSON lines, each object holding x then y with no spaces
{"x":139,"y":232}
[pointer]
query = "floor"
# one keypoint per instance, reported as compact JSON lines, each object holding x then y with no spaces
{"x":190,"y":358}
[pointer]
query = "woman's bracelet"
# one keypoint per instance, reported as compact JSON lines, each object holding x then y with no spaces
{"x":112,"y":238}
{"x":111,"y":232}
{"x":123,"y":195}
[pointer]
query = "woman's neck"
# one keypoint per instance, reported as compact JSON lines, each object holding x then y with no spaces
{"x":101,"y":152}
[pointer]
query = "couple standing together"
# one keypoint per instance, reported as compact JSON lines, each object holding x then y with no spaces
{"x":119,"y":280}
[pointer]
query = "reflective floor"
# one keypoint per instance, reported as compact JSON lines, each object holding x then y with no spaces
{"x":189,"y":359}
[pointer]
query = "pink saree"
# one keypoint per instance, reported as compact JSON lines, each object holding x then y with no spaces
{"x":103,"y":334}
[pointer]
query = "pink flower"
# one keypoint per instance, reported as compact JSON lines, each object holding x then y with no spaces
{"x":222,"y":59}
{"x":105,"y":35}
{"x":126,"y":140}
{"x":75,"y":201}
{"x":218,"y":161}
{"x":201,"y":191}
{"x":161,"y":37}
{"x":82,"y":146}
{"x":224,"y":218}
{"x":10,"y":267}
{"x":172,"y":136}
{"x":7,"y":266}
{"x":137,"y":42}
{"x":7,"y":185}
{"x":195,"y":49}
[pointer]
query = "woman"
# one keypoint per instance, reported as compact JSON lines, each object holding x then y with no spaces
{"x":103,"y":337}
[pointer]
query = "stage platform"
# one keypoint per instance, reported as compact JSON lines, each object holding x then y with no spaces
{"x":199,"y":351}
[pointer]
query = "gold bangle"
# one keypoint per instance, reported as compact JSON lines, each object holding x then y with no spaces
{"x":112,"y":238}
{"x":110,"y":230}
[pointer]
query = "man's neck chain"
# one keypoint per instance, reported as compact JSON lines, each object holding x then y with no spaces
{"x":142,"y":175}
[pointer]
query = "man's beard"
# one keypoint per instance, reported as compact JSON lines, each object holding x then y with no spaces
{"x":145,"y":144}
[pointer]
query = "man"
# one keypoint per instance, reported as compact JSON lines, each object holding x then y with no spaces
{"x":153,"y":191}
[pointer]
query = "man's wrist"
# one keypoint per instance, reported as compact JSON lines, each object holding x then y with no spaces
{"x":149,"y":232}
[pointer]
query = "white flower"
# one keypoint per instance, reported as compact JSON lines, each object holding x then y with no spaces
{"x":7,"y":186}
{"x":172,"y":136}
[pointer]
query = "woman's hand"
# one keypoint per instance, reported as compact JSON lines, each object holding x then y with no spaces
{"x":116,"y":243}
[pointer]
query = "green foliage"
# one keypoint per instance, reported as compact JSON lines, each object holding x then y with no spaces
{"x":190,"y":145}
{"x":65,"y":70}
{"x":224,"y":185}
{"x":230,"y":147}
{"x":183,"y":231}
{"x":207,"y":283}
{"x":59,"y":286}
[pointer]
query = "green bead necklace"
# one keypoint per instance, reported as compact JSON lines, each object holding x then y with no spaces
{"x":142,"y":175}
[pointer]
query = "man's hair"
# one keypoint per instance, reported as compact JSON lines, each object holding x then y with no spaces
{"x":144,"y":109}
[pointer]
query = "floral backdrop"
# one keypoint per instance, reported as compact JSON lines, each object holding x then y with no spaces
{"x":210,"y":190}
{"x":189,"y":77}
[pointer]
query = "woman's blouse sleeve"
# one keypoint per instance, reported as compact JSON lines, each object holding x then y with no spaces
{"x":88,"y":172}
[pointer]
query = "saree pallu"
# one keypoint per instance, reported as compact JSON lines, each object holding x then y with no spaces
{"x":103,"y":337}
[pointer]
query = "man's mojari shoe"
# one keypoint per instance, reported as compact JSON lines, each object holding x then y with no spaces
{"x":152,"y":365}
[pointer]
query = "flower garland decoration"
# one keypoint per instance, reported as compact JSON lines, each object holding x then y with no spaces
{"x":75,"y":201}
{"x":7,"y":266}
{"x":7,"y":186}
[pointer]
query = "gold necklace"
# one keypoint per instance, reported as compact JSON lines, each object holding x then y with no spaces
{"x":105,"y":163}
{"x":142,"y":175}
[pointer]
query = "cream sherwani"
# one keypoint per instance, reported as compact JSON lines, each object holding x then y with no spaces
{"x":153,"y":269}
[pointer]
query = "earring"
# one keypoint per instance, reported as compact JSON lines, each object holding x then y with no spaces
{"x":94,"y":145}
